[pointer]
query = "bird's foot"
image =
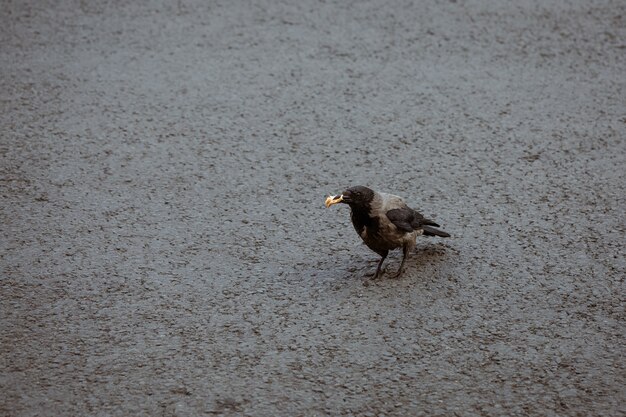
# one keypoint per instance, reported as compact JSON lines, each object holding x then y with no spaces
{"x":370,"y":278}
{"x":376,"y":274}
{"x":397,"y":274}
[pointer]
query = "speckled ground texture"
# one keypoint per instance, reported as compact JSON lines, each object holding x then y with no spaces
{"x":165,"y":249}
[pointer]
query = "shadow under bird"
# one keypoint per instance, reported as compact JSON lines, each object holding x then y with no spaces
{"x":385,"y":222}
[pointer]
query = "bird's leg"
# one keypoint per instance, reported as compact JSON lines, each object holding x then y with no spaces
{"x":405,"y":252}
{"x":380,"y":264}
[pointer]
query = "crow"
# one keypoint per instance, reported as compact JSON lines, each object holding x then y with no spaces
{"x":385,"y":222}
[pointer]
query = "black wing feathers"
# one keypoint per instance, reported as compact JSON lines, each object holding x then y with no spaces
{"x":407,"y":219}
{"x":431,"y":231}
{"x":402,"y":218}
{"x":428,"y":223}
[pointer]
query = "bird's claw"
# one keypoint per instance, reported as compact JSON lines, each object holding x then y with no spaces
{"x":397,"y":274}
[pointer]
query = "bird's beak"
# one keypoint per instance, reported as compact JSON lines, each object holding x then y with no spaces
{"x":333,"y":199}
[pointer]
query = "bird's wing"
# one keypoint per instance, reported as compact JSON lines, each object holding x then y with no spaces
{"x":402,"y":218}
{"x":407,"y":219}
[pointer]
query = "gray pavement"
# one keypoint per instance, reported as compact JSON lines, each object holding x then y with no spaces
{"x":165,"y":249}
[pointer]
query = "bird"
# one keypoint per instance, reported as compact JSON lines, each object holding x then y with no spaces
{"x":385,"y":222}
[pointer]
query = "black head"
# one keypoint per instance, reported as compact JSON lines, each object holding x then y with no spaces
{"x":358,"y":196}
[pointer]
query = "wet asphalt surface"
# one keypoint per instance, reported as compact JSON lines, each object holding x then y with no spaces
{"x":165,"y":249}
